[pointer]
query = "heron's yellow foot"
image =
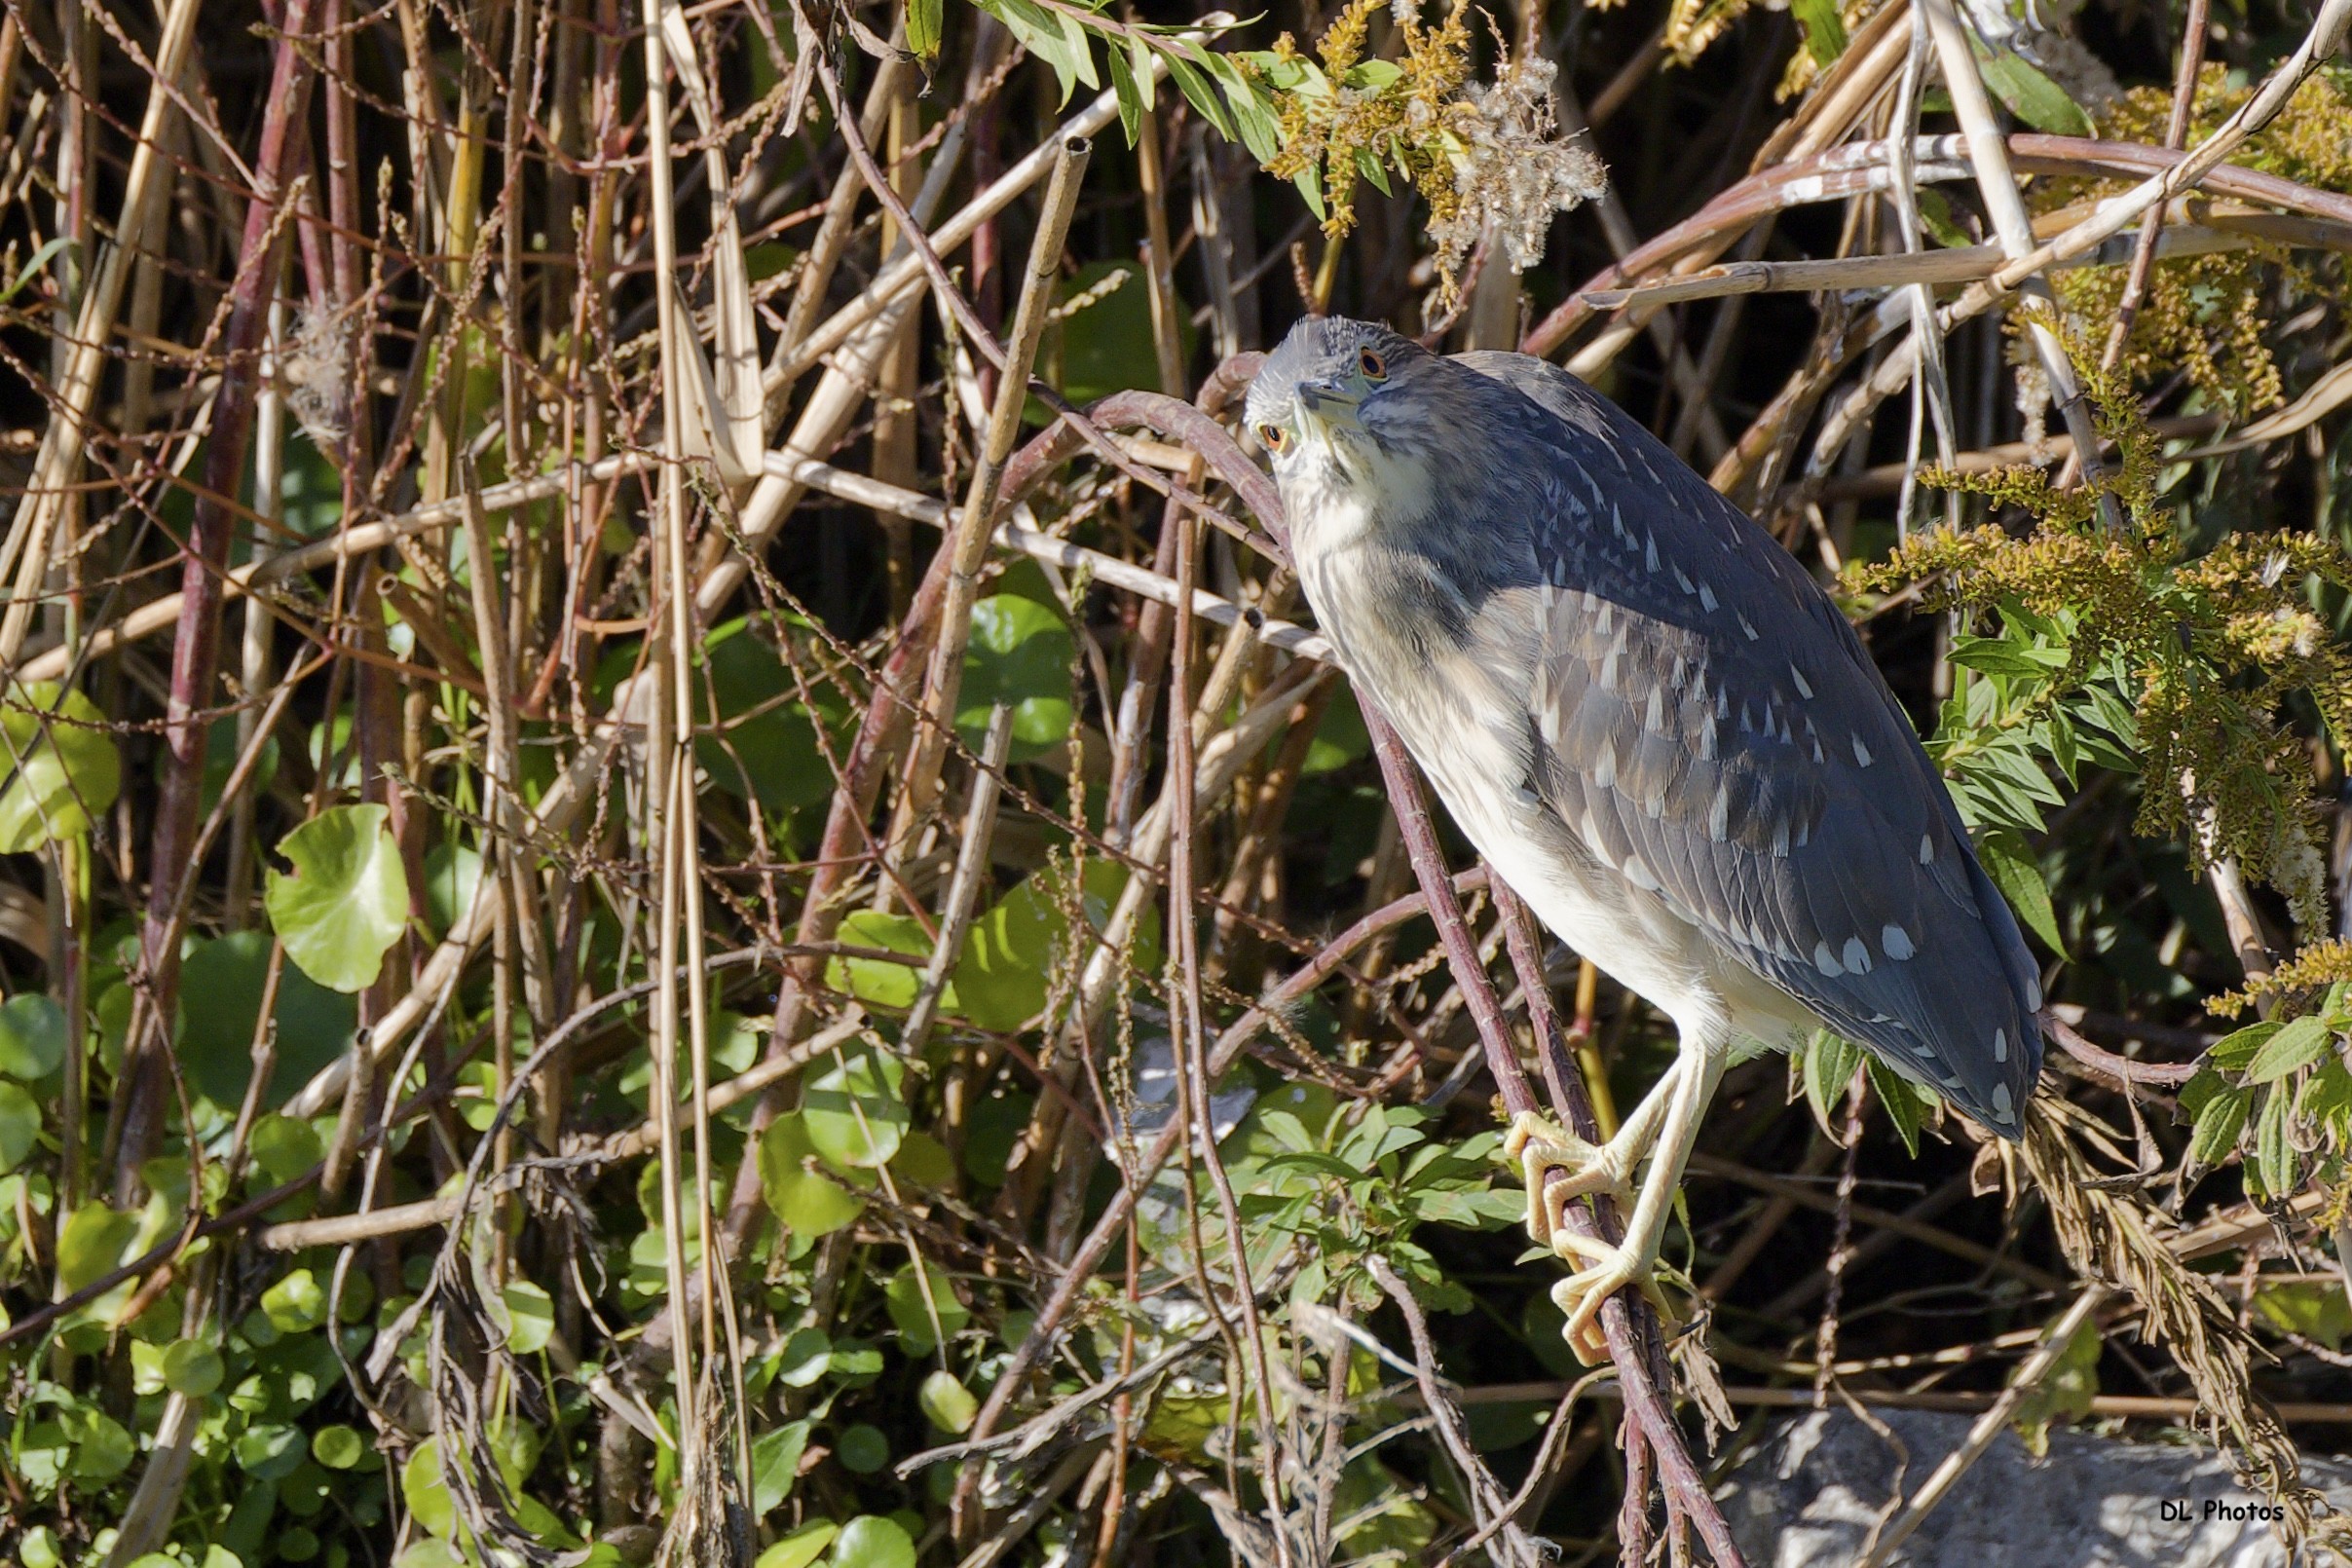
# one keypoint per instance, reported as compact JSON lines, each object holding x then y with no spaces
{"x":1579,"y":1295}
{"x":1537,"y":1144}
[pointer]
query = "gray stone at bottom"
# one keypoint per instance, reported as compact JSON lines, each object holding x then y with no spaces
{"x":1809,"y":1495}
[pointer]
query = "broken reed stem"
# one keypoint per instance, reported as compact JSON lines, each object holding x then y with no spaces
{"x":968,"y":545}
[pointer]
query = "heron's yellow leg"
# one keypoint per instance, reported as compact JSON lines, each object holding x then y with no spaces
{"x":1538,"y":1145}
{"x":1685,"y":1092}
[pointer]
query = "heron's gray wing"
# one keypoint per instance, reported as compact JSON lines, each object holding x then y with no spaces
{"x":1706,"y":722}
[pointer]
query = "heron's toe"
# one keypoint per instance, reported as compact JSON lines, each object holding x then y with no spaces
{"x":1580,"y":1295}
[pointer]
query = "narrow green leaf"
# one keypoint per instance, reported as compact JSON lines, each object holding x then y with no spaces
{"x":2018,"y":874}
{"x":2033,"y":97}
{"x":926,"y":23}
{"x":1830,"y":1060}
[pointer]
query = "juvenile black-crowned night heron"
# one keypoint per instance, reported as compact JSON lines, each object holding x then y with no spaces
{"x":1658,"y":730}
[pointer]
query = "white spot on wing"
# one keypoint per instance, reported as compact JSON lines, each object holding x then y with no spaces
{"x":2002,"y":1106}
{"x":1926,"y":850}
{"x":1856,"y":955}
{"x":1861,"y":752}
{"x":2000,"y":1045}
{"x":1803,"y":687}
{"x":1748,"y":626}
{"x":1897,"y":943}
{"x":1826,"y":961}
{"x":1719,"y":815}
{"x":1706,"y":598}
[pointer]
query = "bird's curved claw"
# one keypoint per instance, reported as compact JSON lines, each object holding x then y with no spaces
{"x":1536,"y":1144}
{"x":1580,"y":1296}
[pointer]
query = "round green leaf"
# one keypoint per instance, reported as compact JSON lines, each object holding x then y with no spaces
{"x":192,"y":1367}
{"x":764,"y":745}
{"x":103,"y":1449}
{"x":220,"y":1002}
{"x":20,"y":1125}
{"x":853,"y":1110}
{"x":947,"y":1403}
{"x":809,"y":1203}
{"x":270,"y":1451}
{"x":39,"y":1548}
{"x":59,"y":769}
{"x":33,"y":1037}
{"x":338,"y":1447}
{"x":425,"y":1493}
{"x":295,"y":1304}
{"x":863,"y":1450}
{"x":871,"y":1542}
{"x":904,"y":1297}
{"x":1020,"y":654}
{"x":877,"y":981}
{"x":346,"y":900}
{"x":1008,"y":959}
{"x":530,"y":1318}
{"x":92,"y":1244}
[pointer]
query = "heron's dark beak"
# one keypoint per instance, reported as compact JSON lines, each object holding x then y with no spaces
{"x":1330,"y":406}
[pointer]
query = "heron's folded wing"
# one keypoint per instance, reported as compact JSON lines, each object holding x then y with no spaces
{"x":1706,"y":723}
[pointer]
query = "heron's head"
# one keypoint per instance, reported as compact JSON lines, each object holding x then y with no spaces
{"x":1350,"y":408}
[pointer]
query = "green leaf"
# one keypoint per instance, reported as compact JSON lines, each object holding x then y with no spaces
{"x":1830,"y":1060}
{"x":863,"y":1450}
{"x":1197,"y":89}
{"x":855,"y":1110}
{"x":530,"y":1318}
{"x":2235,"y":1052}
{"x":2065,"y":1393}
{"x":947,"y":1403}
{"x":425,"y":1493}
{"x":92,"y":1244}
{"x":1003,"y":973}
{"x":904,"y":1297}
{"x":59,"y":771}
{"x":871,"y":1542}
{"x":270,"y":1451}
{"x":2275,"y":1158}
{"x":347,"y":902}
{"x":807,"y":1203}
{"x":2018,"y":874}
{"x":2033,"y":97}
{"x":338,"y":1447}
{"x":1020,"y":654}
{"x":1909,"y":1106}
{"x":800,"y":1547}
{"x":758,"y":741}
{"x":775,"y":1464}
{"x":924,"y":23}
{"x":1131,"y":101}
{"x":19,"y":1126}
{"x":220,"y":990}
{"x":2295,"y":1046}
{"x":33,"y":1037}
{"x":2219,"y":1122}
{"x":295,"y":1304}
{"x":803,"y":1357}
{"x":2314,"y":1309}
{"x":192,"y":1367}
{"x":877,"y":981}
{"x":1824,"y":29}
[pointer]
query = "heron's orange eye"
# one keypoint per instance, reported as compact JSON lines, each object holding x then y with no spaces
{"x":1273,"y":436}
{"x":1374,"y":367}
